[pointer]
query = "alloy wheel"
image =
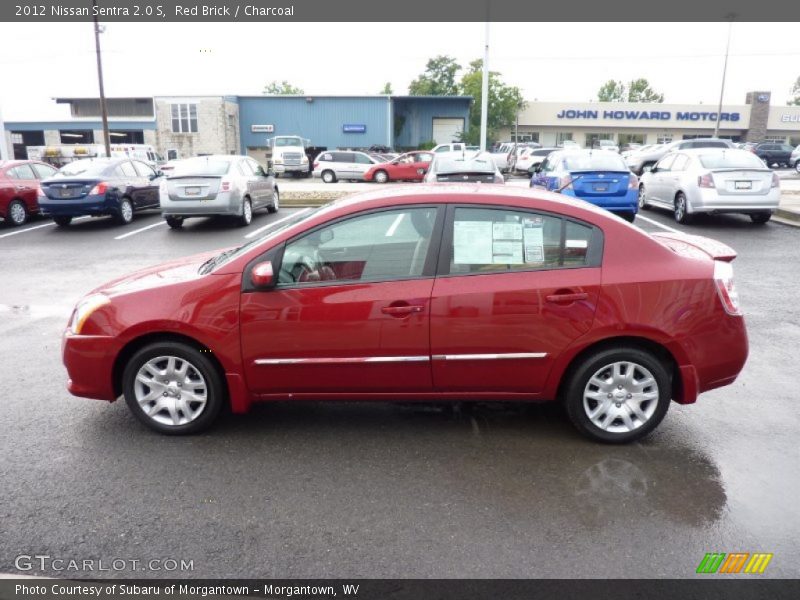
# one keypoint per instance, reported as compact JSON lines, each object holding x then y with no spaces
{"x":170,"y":390}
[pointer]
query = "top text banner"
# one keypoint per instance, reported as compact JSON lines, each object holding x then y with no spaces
{"x":399,"y":11}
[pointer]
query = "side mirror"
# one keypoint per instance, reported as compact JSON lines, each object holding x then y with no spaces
{"x":537,"y":168}
{"x":261,"y":275}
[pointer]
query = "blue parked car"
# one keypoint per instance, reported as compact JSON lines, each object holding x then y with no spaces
{"x":600,"y":177}
{"x":100,"y":186}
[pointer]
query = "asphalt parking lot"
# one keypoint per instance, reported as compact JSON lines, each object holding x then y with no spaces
{"x":377,"y":490}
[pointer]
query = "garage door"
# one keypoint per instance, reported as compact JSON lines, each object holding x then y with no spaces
{"x":446,"y":130}
{"x":258,"y":153}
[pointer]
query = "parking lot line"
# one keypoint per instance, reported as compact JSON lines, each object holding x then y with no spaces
{"x":50,"y":224}
{"x":141,"y":229}
{"x":273,"y":223}
{"x":657,"y":224}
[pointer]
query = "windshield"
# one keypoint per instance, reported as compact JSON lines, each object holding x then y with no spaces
{"x":86,"y":168}
{"x":288,"y":141}
{"x":200,"y":166}
{"x":731,"y":160}
{"x":601,"y":161}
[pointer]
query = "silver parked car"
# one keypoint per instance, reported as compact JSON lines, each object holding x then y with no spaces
{"x":641,"y":161}
{"x":794,"y":159}
{"x":217,"y":185}
{"x":711,"y":180}
{"x":343,"y":164}
{"x":449,"y":168}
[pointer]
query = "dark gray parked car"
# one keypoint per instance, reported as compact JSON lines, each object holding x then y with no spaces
{"x":639,"y":162}
{"x":217,"y":185}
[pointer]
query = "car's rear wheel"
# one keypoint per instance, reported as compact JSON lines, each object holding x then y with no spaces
{"x":797,"y":166}
{"x":629,"y":216}
{"x":62,"y":221}
{"x":172,"y":388}
{"x":761,"y":217}
{"x":16,"y":214}
{"x":175,"y":222}
{"x":618,"y":395}
{"x":125,"y":213}
{"x":643,"y":203}
{"x":680,"y":210}
{"x":247,"y":213}
{"x":381,"y":177}
{"x":328,"y":176}
{"x":276,"y":202}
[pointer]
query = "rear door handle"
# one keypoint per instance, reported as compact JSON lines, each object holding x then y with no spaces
{"x":567,"y":297}
{"x":402,"y":311}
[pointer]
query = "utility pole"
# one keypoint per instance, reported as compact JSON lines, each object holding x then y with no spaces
{"x":485,"y":87}
{"x":3,"y":138}
{"x":103,"y":107}
{"x":730,"y":18}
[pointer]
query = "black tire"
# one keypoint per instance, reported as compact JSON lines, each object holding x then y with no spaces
{"x":276,"y":202}
{"x":797,"y":166}
{"x":643,"y":203}
{"x":680,"y":209}
{"x":175,"y":222}
{"x":328,"y":176}
{"x":16,"y":213}
{"x":761,"y":218}
{"x":125,"y":212}
{"x":381,"y":176}
{"x":62,"y":221}
{"x":579,"y":382}
{"x":214,"y":394}
{"x":629,"y":216}
{"x":247,"y":213}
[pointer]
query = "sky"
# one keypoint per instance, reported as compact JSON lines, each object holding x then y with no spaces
{"x":565,"y":62}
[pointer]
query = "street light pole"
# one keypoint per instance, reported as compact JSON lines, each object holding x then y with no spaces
{"x":3,"y":138}
{"x":724,"y":72}
{"x":485,"y":88}
{"x":103,"y":107}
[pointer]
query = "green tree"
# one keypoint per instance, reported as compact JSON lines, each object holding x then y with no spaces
{"x":795,"y":99}
{"x":637,"y":90}
{"x":504,"y":103}
{"x":439,"y":78}
{"x":282,"y":88}
{"x":387,"y":88}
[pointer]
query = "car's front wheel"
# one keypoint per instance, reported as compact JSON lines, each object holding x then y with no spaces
{"x":172,"y":388}
{"x":618,"y":395}
{"x":381,"y":177}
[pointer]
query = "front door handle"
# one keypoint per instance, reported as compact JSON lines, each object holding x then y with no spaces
{"x":566,"y":297}
{"x":402,"y":311}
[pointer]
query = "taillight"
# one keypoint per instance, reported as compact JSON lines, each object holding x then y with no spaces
{"x":723,"y":279}
{"x":633,"y":182}
{"x":705,"y":181}
{"x":776,"y":181}
{"x":225,"y":186}
{"x":316,"y":164}
{"x":99,"y":189}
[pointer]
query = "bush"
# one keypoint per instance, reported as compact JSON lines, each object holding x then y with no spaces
{"x":429,"y":145}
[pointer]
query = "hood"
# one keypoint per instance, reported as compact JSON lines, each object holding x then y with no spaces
{"x":164,"y":274}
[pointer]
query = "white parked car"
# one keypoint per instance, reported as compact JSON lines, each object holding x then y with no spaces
{"x":531,"y":157}
{"x":609,"y":145}
{"x":343,"y":164}
{"x":459,"y":147}
{"x":711,"y":180}
{"x":569,"y":145}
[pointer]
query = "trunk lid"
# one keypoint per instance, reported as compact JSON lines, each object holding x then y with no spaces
{"x":742,"y":181}
{"x":193,"y":187}
{"x":593,"y":184}
{"x":695,"y":246}
{"x":68,"y":189}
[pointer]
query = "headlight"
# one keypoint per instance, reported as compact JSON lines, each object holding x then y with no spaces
{"x":278,"y":160}
{"x":84,"y":310}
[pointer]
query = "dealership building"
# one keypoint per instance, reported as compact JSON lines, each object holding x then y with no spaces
{"x":197,"y":125}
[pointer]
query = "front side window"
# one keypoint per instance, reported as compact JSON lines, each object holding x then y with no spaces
{"x":665,"y":164}
{"x":44,"y":171}
{"x":385,"y":245}
{"x":144,"y":170}
{"x":184,"y":118}
{"x":363,"y":159}
{"x":487,"y":240}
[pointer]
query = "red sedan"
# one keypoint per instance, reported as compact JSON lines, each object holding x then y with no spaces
{"x":19,"y":188}
{"x":427,"y":293}
{"x":411,"y":166}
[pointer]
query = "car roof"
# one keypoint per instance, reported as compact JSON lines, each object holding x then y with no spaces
{"x":696,"y":151}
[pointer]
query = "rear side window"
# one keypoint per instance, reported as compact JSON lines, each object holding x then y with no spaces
{"x":127,"y":169}
{"x":344,"y":157}
{"x":21,"y":172}
{"x":325,"y":157}
{"x":680,"y":162}
{"x":488,"y":240}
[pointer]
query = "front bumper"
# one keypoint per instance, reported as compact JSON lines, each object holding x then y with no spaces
{"x":290,"y":168}
{"x":89,"y":360}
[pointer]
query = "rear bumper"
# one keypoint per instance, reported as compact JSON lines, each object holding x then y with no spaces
{"x":90,"y":205}
{"x":709,"y":200}
{"x":224,"y":203}
{"x":629,"y":202}
{"x":89,"y":360}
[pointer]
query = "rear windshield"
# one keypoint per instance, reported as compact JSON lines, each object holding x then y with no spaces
{"x":200,"y":166}
{"x":599,"y":161}
{"x":731,"y":160}
{"x":474,"y":165}
{"x":707,"y":144}
{"x":87,"y":168}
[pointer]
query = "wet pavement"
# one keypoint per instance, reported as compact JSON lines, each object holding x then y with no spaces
{"x":381,"y":490}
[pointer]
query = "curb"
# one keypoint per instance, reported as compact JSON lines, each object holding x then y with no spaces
{"x":787,"y":217}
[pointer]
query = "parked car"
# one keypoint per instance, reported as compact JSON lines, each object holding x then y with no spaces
{"x":338,"y":164}
{"x":569,"y":145}
{"x":630,"y":152}
{"x":609,"y":145}
{"x":711,"y":181}
{"x":451,"y":147}
{"x":222,"y":184}
{"x":596,"y":176}
{"x":439,"y":293}
{"x":118,"y":187}
{"x":411,"y":166}
{"x":479,"y":168}
{"x":794,"y":159}
{"x":642,"y":161}
{"x":774,"y":154}
{"x":19,"y":189}
{"x":630,"y":147}
{"x":504,"y":156}
{"x":528,"y":160}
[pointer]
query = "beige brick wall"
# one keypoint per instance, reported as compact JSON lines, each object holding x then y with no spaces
{"x":217,"y":127}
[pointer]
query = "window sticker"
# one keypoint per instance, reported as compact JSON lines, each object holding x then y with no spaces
{"x":533,"y":240}
{"x":506,"y":231}
{"x":506,"y":243}
{"x":472,"y":242}
{"x":576,"y":244}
